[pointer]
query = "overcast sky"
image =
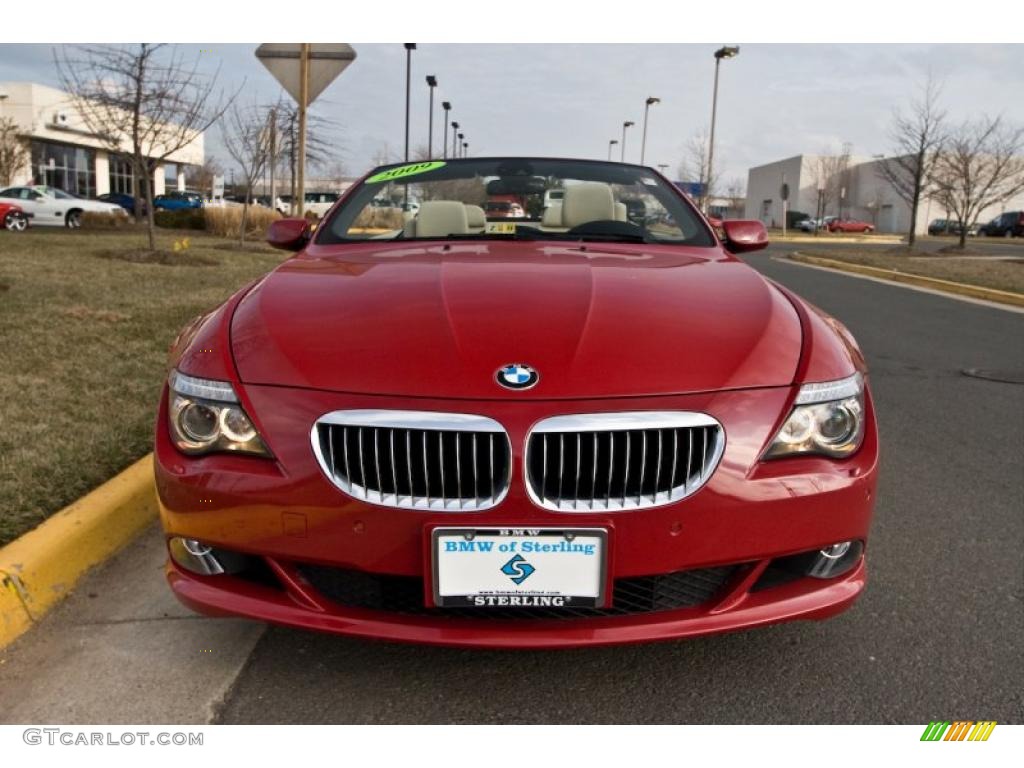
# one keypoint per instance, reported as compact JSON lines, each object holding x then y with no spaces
{"x":775,"y":100}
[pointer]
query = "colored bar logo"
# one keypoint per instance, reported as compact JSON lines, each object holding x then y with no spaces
{"x":959,"y":730}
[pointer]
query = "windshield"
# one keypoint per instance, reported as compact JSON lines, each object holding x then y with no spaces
{"x":514,"y":198}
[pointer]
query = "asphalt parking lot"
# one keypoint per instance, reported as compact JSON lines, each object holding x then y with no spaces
{"x":936,"y":636}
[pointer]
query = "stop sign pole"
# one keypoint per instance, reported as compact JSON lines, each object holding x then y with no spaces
{"x":304,"y":70}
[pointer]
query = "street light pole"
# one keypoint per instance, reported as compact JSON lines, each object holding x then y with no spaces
{"x":647,"y":108}
{"x":725,"y":52}
{"x":432,"y":84}
{"x":622,"y":148}
{"x":611,"y":143}
{"x":455,"y":150}
{"x":662,"y":167}
{"x":409,"y":48}
{"x":461,"y":144}
{"x":446,"y":106}
{"x":465,"y":149}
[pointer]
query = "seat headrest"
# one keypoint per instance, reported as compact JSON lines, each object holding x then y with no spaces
{"x":475,"y":217}
{"x":552,"y":216}
{"x":438,"y":218}
{"x":588,"y":201}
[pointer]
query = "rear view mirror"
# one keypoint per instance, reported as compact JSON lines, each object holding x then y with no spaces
{"x":742,"y":235}
{"x":516,"y":185}
{"x":289,"y":234}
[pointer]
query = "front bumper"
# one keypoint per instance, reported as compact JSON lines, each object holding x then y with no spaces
{"x":287,"y":515}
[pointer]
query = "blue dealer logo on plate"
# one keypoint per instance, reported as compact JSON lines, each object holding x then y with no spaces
{"x":517,"y":376}
{"x":518,"y":569}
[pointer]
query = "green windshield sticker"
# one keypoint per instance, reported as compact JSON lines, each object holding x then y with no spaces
{"x":404,"y":171}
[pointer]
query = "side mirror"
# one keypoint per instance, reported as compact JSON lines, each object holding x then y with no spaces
{"x":289,"y":234}
{"x":743,"y":235}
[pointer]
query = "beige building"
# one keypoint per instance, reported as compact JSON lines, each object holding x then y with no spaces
{"x":859,"y":192}
{"x":65,"y":154}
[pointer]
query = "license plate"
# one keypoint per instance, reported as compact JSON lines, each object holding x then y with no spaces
{"x":519,"y":567}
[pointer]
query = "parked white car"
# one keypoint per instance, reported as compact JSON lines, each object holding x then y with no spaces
{"x":318,"y":203}
{"x":52,"y":207}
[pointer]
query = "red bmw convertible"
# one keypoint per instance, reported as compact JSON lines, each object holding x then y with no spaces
{"x":577,"y":428}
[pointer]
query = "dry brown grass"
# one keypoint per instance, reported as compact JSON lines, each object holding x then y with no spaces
{"x":379,"y":218}
{"x":227,"y":221}
{"x":94,"y":220}
{"x":1003,"y":275}
{"x":83,"y":345}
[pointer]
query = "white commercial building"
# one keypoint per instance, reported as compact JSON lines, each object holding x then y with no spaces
{"x":64,"y":153}
{"x":858,"y":192}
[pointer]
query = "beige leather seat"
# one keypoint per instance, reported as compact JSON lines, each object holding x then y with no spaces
{"x":439,"y":218}
{"x":552,"y":217}
{"x":620,"y":211}
{"x":476,"y":219}
{"x":588,"y":201}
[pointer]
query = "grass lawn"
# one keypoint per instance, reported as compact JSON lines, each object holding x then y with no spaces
{"x":83,"y":346}
{"x":1004,"y":275}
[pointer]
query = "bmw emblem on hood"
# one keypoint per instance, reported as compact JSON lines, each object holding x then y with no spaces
{"x":517,"y":376}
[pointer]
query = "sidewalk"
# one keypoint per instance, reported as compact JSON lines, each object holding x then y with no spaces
{"x":121,"y":649}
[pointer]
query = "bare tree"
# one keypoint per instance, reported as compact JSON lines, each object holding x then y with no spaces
{"x":980,"y":165}
{"x":246,"y":136}
{"x":695,"y":166}
{"x":201,"y":176}
{"x":830,"y":173}
{"x":141,"y":97}
{"x":916,"y":140}
{"x":13,"y":151}
{"x":320,"y":149}
{"x":736,"y":193}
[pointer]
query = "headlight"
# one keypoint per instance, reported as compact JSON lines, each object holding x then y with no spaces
{"x":827,"y":419}
{"x":205,"y":417}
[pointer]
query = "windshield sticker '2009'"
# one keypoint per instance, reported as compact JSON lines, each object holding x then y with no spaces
{"x":403,"y":171}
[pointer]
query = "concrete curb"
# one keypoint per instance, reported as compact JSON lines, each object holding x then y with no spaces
{"x":40,"y":568}
{"x":935,"y":283}
{"x":838,"y":240}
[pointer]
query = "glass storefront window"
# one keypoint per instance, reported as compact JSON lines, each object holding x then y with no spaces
{"x":122,"y":179}
{"x":63,"y":166}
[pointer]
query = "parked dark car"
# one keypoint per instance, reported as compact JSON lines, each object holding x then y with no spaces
{"x":125,"y":201}
{"x":176,"y":201}
{"x":1009,"y":224}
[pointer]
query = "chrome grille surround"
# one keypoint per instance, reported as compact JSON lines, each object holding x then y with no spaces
{"x":397,"y":458}
{"x":620,"y":461}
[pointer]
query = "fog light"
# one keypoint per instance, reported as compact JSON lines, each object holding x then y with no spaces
{"x":194,"y":556}
{"x":835,"y":560}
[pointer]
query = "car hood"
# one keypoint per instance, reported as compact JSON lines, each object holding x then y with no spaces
{"x":439,"y":320}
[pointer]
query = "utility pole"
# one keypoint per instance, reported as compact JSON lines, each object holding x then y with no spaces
{"x":409,"y":48}
{"x":647,"y":108}
{"x":431,"y":83}
{"x":622,"y":147}
{"x":272,"y":161}
{"x":725,"y":52}
{"x":300,"y":191}
{"x":446,"y":106}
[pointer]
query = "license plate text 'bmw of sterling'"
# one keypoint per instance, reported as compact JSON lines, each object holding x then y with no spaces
{"x":516,"y":402}
{"x":544,"y":567}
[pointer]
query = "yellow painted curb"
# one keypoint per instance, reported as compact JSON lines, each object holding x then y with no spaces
{"x":40,"y":568}
{"x":935,"y":283}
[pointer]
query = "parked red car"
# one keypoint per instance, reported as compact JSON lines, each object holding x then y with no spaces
{"x":850,"y":225}
{"x":12,"y":217}
{"x":555,"y":433}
